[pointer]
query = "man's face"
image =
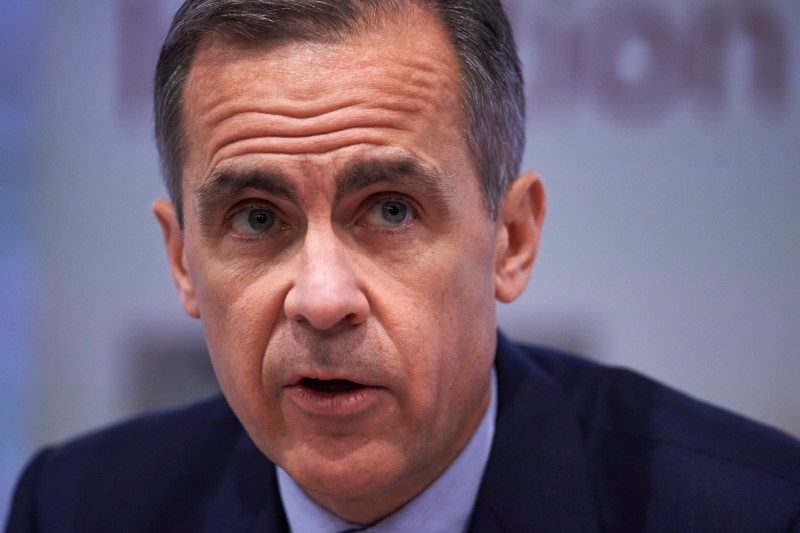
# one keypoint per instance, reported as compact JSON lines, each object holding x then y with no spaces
{"x":339,"y":254}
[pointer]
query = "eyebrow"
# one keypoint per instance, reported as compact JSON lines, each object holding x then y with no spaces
{"x":402,"y":171}
{"x":398,"y":171}
{"x":223,"y":185}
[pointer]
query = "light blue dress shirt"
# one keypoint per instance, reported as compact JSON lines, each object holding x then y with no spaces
{"x":445,"y":506}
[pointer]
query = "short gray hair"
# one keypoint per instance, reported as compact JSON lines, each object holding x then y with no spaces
{"x":493,"y":102}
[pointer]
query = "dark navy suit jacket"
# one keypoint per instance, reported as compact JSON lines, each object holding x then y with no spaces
{"x":578,"y":447}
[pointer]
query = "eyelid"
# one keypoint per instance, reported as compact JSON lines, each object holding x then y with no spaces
{"x":251,"y":203}
{"x":378,"y":198}
{"x":392,"y":196}
{"x":248,"y":205}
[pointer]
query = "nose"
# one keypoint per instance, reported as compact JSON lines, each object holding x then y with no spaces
{"x":326,"y":290}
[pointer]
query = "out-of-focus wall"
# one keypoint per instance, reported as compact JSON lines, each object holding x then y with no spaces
{"x":18,"y":287}
{"x":666,"y":132}
{"x":668,"y":136}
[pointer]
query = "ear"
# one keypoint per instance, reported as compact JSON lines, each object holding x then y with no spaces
{"x":173,"y":241}
{"x":519,"y":224}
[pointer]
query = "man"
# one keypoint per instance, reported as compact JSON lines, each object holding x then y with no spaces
{"x":343,"y":217}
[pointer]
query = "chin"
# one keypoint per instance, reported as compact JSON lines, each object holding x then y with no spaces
{"x":344,"y":472}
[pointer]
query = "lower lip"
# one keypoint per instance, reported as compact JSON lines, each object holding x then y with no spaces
{"x":339,"y":404}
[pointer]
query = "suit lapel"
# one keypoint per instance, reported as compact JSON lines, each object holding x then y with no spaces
{"x":536,"y":477}
{"x":248,"y":498}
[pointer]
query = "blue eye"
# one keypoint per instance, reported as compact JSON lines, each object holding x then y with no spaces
{"x":253,"y":221}
{"x":389,"y":213}
{"x":394,"y":212}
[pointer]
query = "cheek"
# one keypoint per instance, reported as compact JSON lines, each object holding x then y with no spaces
{"x":235,"y":297}
{"x":239,"y":313}
{"x":239,"y":317}
{"x":461,"y":289}
{"x":447,"y":316}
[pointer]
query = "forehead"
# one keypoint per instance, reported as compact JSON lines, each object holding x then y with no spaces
{"x":397,"y":80}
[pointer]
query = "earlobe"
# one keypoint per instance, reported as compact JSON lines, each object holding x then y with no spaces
{"x":519,"y":225}
{"x":164,"y":212}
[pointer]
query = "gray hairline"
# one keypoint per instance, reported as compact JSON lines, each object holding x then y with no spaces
{"x":496,"y":156}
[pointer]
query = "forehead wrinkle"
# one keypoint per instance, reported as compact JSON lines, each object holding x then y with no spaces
{"x":422,"y":72}
{"x":405,"y":89}
{"x":250,"y":129}
{"x":241,"y":121}
{"x":237,"y":126}
{"x":406,"y":98}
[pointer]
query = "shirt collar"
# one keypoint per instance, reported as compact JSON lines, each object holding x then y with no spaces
{"x":445,"y":505}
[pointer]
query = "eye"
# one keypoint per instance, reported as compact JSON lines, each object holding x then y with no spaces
{"x":254,"y":221}
{"x":390,"y":212}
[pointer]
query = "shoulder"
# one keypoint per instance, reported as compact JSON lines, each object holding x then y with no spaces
{"x":125,"y":474}
{"x":655,"y":449}
{"x":621,"y":402}
{"x":186,"y":431}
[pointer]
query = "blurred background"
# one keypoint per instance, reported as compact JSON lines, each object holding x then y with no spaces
{"x":667,"y":133}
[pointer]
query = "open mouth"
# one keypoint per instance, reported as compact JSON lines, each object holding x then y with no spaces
{"x":330,"y":386}
{"x":333,"y":399}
